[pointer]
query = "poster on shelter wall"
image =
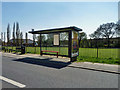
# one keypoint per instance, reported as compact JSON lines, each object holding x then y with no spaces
{"x":56,"y":39}
{"x":75,"y":44}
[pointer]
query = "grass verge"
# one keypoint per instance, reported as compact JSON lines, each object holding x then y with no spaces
{"x":99,"y":60}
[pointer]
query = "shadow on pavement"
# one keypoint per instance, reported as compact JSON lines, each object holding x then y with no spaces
{"x":44,"y":62}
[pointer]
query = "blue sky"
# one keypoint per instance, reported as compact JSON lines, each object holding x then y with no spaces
{"x":44,"y":15}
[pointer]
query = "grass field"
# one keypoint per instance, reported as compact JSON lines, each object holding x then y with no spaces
{"x":99,"y":60}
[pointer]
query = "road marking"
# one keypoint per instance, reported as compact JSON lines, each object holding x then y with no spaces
{"x":12,"y":82}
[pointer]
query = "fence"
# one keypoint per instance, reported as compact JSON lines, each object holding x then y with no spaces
{"x":83,"y":52}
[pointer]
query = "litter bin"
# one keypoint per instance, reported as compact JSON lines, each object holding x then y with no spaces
{"x":22,"y":49}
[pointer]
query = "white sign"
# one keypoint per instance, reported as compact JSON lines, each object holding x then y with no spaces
{"x":56,"y":39}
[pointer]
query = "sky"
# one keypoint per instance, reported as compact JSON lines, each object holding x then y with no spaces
{"x":46,"y":15}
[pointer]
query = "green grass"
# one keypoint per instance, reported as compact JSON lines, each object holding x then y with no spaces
{"x":109,"y":56}
{"x":99,"y":60}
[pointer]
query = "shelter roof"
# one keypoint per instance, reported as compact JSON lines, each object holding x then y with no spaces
{"x":56,"y":30}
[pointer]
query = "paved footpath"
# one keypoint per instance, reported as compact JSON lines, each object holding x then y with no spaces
{"x":109,"y":68}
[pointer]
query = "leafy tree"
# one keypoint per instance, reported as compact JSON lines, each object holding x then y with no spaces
{"x":26,"y":37}
{"x":117,"y":33}
{"x":17,"y":34}
{"x":64,"y":39}
{"x":14,"y":34}
{"x":104,"y":31}
{"x":43,"y":40}
{"x":107,"y":31}
{"x":49,"y":40}
{"x":63,"y":36}
{"x":8,"y":34}
{"x":21,"y":37}
{"x":17,"y":28}
{"x":34,"y":37}
{"x":1,"y":39}
{"x":82,"y":36}
{"x":83,"y":40}
{"x":117,"y":30}
{"x":4,"y":38}
{"x":96,"y":36}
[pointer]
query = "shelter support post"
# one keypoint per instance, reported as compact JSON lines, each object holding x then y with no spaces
{"x":40,"y":45}
{"x":72,"y":59}
{"x":69,"y":43}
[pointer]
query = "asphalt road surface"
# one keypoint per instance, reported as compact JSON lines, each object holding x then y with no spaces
{"x":34,"y":73}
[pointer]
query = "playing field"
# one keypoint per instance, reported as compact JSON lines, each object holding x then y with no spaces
{"x":87,"y":52}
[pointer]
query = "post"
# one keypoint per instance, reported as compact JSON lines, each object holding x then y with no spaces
{"x":69,"y":44}
{"x":4,"y":39}
{"x":59,"y":43}
{"x":57,"y":54}
{"x":97,"y":52}
{"x":97,"y":48}
{"x":118,"y":47}
{"x":40,"y":45}
{"x":26,"y":36}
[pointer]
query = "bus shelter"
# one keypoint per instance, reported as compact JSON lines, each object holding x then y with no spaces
{"x":59,"y":41}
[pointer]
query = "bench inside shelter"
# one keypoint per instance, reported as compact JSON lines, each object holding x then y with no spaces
{"x":49,"y":51}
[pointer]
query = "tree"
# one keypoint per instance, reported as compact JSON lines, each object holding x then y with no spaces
{"x":17,"y":34}
{"x":34,"y":37}
{"x":21,"y":37}
{"x":82,"y":36}
{"x":107,"y":31}
{"x":13,"y":34}
{"x":96,"y":36}
{"x":83,"y":39}
{"x":34,"y":43}
{"x":117,"y":33}
{"x":104,"y":31}
{"x":26,"y":37}
{"x":49,"y":40}
{"x":64,"y":38}
{"x":43,"y":40}
{"x":117,"y":30}
{"x":8,"y":34}
{"x":1,"y":38}
{"x":4,"y":38}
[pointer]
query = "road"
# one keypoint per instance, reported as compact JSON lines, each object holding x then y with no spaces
{"x":42,"y":75}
